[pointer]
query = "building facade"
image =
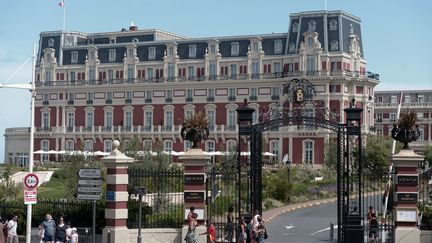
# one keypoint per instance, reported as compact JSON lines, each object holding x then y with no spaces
{"x":419,"y":101}
{"x":94,"y":88}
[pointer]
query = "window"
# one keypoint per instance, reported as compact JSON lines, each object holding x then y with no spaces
{"x":168,"y":120}
{"x":310,"y":42}
{"x":128,"y":119}
{"x":231,"y":145}
{"x":45,"y":120}
{"x":191,"y":72}
{"x":70,"y":121}
{"x":274,"y":147}
{"x":333,"y":24}
{"x":255,"y":117}
{"x":407,"y":99}
{"x":308,"y":152}
{"x":234,"y":49}
{"x":69,"y":146}
{"x":92,"y":55}
{"x":231,"y":119}
{"x":212,"y":69}
{"x":211,"y":119}
{"x":51,"y":42}
{"x":169,"y":94}
{"x":421,"y":135}
{"x":112,"y":55}
{"x":189,"y":113}
{"x":171,"y":72}
{"x":277,"y":67}
{"x":88,"y":145}
{"x":210,"y":93}
{"x":392,"y":117}
{"x":278,"y":46}
{"x":148,"y":120}
{"x":152,"y":53}
{"x":170,"y":51}
{"x":46,"y":98}
{"x":90,"y":96}
{"x":255,"y":68}
{"x":72,"y":77}
{"x":379,"y":117}
{"x":255,"y":47}
{"x":189,"y":94}
{"x":89,"y":120}
{"x":380,"y":99}
{"x":310,"y":63}
{"x":108,"y":121}
{"x":233,"y":68}
{"x":92,"y":74}
{"x":379,"y":131}
{"x":131,"y":73}
{"x":295,"y":27}
{"x":74,"y":57}
{"x":210,"y":146}
{"x":334,"y":45}
{"x":311,"y":25}
{"x":149,"y":95}
{"x":109,"y":96}
{"x":253,"y":94}
{"x":420,"y":115}
{"x":275,"y":92}
{"x":129,"y":96}
{"x":110,"y":76}
{"x":45,"y":147}
{"x":420,"y":99}
{"x":393,"y":99}
{"x":147,"y":145}
{"x":71,"y":98}
{"x":107,"y":146}
{"x":135,"y":40}
{"x":48,"y":76}
{"x":291,"y":47}
{"x":150,"y":74}
{"x":212,"y":49}
{"x":231,"y":92}
{"x":187,"y":145}
{"x":168,"y":145}
{"x":192,"y":51}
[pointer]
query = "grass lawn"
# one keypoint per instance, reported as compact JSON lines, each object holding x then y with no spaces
{"x":55,"y":189}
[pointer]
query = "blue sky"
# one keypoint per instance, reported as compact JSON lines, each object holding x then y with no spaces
{"x":397,"y":34}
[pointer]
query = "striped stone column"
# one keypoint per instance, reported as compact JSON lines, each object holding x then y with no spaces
{"x":116,"y":211}
{"x":406,"y":164}
{"x":195,"y":162}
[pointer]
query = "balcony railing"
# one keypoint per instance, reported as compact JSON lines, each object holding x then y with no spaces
{"x":45,"y":102}
{"x":275,"y":97}
{"x":189,"y":99}
{"x":89,"y":102}
{"x":211,"y":99}
{"x":168,"y":100}
{"x":128,"y":101}
{"x":253,"y":98}
{"x":71,"y":102}
{"x":231,"y":98}
{"x":276,"y":75}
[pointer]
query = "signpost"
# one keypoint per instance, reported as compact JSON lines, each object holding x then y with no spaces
{"x":31,"y":181}
{"x":89,"y":188}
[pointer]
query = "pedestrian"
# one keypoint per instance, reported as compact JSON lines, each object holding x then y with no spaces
{"x":260,"y":233}
{"x":49,"y":226}
{"x":60,"y":232}
{"x":370,"y":212}
{"x":74,"y":236}
{"x":241,"y":231}
{"x":12,"y":226}
{"x":190,"y":235}
{"x":3,"y":231}
{"x":211,"y":232}
{"x":229,"y":227}
{"x":68,"y":232}
{"x":373,"y":229}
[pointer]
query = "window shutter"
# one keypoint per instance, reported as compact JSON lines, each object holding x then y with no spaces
{"x":202,"y":71}
{"x":62,"y":76}
{"x":121,"y":74}
{"x":57,"y":76}
{"x":198,"y":72}
{"x":79,"y":76}
{"x":117,"y":74}
{"x":285,"y":68}
{"x":269,"y":68}
{"x":245,"y":69}
{"x":265,"y":68}
{"x":241,"y":69}
{"x":324,"y":66}
{"x":100,"y":76}
{"x":161,"y":73}
{"x":296,"y":66}
{"x":157,"y":73}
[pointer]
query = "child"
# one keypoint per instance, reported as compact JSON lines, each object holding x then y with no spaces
{"x":74,"y":236}
{"x":211,"y":232}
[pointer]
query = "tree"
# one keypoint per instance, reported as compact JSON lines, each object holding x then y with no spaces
{"x":330,"y":156}
{"x":377,"y":155}
{"x":428,"y":154}
{"x":8,"y":189}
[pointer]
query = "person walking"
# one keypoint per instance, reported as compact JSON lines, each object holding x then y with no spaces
{"x":241,"y":231}
{"x":74,"y":236}
{"x":12,"y":226}
{"x":191,"y":236}
{"x":229,"y":227}
{"x":60,"y":232}
{"x":49,"y":226}
{"x":3,"y":231}
{"x":211,"y":232}
{"x":373,"y":229}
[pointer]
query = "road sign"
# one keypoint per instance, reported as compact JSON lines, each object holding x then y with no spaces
{"x":90,"y":182}
{"x":30,"y":196}
{"x":31,"y":181}
{"x":89,"y":173}
{"x":89,"y":196}
{"x":89,"y":189}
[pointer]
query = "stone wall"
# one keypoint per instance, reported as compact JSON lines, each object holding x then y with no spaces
{"x":156,"y":235}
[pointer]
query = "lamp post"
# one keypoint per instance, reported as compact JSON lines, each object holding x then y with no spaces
{"x":31,"y":88}
{"x":140,"y":191}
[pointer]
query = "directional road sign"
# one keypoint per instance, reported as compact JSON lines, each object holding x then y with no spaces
{"x":89,"y":196}
{"x":90,"y":189}
{"x":30,"y":196}
{"x":31,"y":181}
{"x":89,"y":173}
{"x":90,"y":182}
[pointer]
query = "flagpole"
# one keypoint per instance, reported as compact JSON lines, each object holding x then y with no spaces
{"x":64,"y":17}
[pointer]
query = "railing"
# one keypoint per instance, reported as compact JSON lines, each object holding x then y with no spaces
{"x":89,"y":102}
{"x":253,"y":98}
{"x":168,"y":100}
{"x":148,"y":100}
{"x":210,"y":99}
{"x":231,"y":98}
{"x":128,"y":101}
{"x":275,"y":75}
{"x":189,"y":99}
{"x":45,"y":102}
{"x":394,"y":105}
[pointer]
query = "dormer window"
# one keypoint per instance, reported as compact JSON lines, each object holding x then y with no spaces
{"x":278,"y":46}
{"x":291,"y":47}
{"x":334,"y":45}
{"x":170,"y":51}
{"x":135,"y":40}
{"x":295,"y":27}
{"x":192,"y":51}
{"x":112,"y":55}
{"x":51,"y":42}
{"x":152,"y":53}
{"x":312,"y":25}
{"x":112,"y":40}
{"x":255,"y":47}
{"x":212,"y":49}
{"x":74,"y":57}
{"x":234,"y":48}
{"x":310,"y":42}
{"x":333,"y":24}
{"x":130,"y":53}
{"x":92,"y":55}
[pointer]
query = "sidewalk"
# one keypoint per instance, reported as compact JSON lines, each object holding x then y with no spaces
{"x":271,"y":214}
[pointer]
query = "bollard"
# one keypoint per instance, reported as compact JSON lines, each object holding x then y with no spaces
{"x":331,"y":233}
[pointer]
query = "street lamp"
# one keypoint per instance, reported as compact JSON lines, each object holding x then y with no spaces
{"x":140,"y":191}
{"x":31,"y":88}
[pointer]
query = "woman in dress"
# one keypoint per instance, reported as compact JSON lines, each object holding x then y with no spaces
{"x":191,"y":236}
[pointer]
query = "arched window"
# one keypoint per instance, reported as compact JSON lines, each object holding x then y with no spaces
{"x":168,"y":145}
{"x":231,"y":145}
{"x":291,"y":47}
{"x":333,"y":24}
{"x":135,"y":40}
{"x":312,"y":25}
{"x":108,"y":146}
{"x":70,"y":145}
{"x":334,"y":45}
{"x":88,"y":145}
{"x":210,"y":146}
{"x":147,"y":145}
{"x":51,"y":42}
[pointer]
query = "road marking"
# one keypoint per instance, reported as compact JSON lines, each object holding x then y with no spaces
{"x":290,"y":226}
{"x":319,"y":231}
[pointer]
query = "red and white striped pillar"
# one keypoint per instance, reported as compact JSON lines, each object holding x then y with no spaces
{"x":406,"y":164}
{"x":195,"y":162}
{"x":116,"y":211}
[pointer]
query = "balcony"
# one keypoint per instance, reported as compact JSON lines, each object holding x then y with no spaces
{"x":71,"y":102}
{"x":108,"y":101}
{"x":189,"y":99}
{"x":211,"y":99}
{"x":45,"y":102}
{"x":231,"y":98}
{"x":127,"y":129}
{"x":168,"y":100}
{"x":89,"y":102}
{"x":253,"y":98}
{"x":128,"y":101}
{"x":148,"y":100}
{"x":275,"y":97}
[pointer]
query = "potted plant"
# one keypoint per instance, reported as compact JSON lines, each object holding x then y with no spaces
{"x":195,"y":129}
{"x":406,"y":129}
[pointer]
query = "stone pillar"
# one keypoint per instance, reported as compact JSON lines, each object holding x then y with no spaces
{"x":406,"y":195}
{"x":195,"y":162}
{"x":116,"y":211}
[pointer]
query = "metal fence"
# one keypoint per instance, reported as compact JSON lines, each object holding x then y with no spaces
{"x":162,"y":205}
{"x":425,"y":199}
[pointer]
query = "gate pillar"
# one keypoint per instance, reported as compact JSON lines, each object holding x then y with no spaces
{"x":195,"y":194}
{"x":406,"y":164}
{"x":116,"y":211}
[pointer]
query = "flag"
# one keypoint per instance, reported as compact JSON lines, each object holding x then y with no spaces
{"x":61,"y":4}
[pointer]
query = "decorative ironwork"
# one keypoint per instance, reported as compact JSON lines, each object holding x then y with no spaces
{"x":299,"y":91}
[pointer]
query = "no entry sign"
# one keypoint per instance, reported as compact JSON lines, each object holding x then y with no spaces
{"x":31,"y":181}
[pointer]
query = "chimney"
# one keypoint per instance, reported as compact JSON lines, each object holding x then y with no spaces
{"x":133,"y":27}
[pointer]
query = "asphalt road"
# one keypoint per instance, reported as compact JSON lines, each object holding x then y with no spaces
{"x":307,"y":225}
